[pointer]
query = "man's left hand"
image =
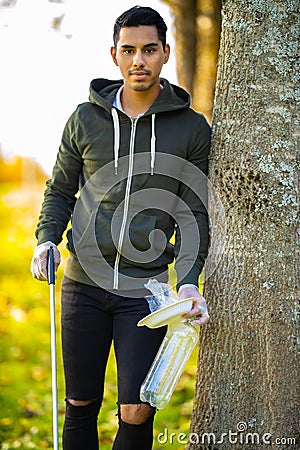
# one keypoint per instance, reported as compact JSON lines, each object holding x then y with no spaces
{"x":198,"y":315}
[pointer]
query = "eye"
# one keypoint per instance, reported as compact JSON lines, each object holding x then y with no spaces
{"x":150,"y":50}
{"x":128,"y":52}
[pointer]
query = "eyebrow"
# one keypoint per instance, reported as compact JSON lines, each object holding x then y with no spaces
{"x":151,"y":44}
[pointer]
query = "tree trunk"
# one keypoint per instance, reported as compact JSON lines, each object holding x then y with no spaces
{"x":248,"y":378}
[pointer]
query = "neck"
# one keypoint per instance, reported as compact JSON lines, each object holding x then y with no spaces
{"x":135,"y":103}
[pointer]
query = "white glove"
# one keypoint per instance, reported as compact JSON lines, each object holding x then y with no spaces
{"x":198,"y":315}
{"x":39,"y":262}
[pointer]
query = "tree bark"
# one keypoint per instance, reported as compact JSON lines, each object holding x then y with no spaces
{"x":248,"y":371}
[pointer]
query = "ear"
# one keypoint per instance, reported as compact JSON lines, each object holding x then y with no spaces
{"x":167,"y":53}
{"x":114,"y":55}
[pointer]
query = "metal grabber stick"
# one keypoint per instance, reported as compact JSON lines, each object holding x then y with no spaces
{"x":51,"y":282}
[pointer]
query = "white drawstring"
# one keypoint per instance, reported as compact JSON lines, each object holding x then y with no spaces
{"x":153,"y":139}
{"x":116,"y":137}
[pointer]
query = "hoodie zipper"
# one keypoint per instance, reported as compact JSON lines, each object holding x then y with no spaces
{"x":126,"y":204}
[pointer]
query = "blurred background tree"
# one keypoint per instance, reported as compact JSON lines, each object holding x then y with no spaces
{"x":197,"y":30}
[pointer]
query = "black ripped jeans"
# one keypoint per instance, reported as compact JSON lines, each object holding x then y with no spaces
{"x":93,"y":319}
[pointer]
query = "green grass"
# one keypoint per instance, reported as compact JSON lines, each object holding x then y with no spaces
{"x":25,"y":377}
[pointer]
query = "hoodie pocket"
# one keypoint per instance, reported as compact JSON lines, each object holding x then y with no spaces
{"x":144,"y":243}
{"x":142,"y":231}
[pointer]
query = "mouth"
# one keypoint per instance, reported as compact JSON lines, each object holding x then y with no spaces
{"x":139,"y":74}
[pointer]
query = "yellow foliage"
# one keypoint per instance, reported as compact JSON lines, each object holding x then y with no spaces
{"x":18,"y":169}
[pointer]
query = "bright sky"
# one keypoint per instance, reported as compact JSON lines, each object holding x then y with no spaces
{"x":46,"y":73}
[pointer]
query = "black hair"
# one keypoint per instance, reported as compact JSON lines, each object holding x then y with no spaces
{"x":140,"y":15}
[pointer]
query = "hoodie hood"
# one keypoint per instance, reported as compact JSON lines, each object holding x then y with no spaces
{"x":171,"y":98}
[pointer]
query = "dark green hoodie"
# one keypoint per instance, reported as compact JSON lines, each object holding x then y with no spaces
{"x":127,"y":185}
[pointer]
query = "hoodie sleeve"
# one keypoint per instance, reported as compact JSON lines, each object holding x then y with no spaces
{"x":61,"y":189}
{"x":192,"y":229}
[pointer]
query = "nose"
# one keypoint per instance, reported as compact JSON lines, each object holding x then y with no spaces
{"x":138,"y":60}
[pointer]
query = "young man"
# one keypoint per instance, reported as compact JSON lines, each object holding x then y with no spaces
{"x":125,"y":152}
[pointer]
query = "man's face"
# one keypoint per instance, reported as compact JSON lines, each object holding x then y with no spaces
{"x":140,"y":56}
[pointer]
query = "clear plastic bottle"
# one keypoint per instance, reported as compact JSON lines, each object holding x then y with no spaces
{"x":169,"y":363}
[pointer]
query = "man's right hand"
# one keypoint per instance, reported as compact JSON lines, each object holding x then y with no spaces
{"x":39,"y":262}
